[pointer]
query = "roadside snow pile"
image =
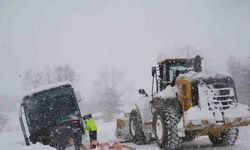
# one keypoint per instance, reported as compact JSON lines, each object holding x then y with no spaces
{"x":177,"y":52}
{"x":106,"y":131}
{"x":37,"y":146}
{"x":168,"y":92}
{"x":15,"y":141}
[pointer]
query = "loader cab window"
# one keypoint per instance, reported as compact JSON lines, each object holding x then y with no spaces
{"x":168,"y":73}
{"x":171,"y":74}
{"x":173,"y":70}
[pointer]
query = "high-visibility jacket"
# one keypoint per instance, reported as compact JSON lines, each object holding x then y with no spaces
{"x":90,"y":124}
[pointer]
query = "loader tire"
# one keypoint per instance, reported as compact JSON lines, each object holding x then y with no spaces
{"x":226,"y":138}
{"x":165,"y":126}
{"x":135,"y":128}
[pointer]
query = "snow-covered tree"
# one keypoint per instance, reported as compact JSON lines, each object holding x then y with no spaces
{"x":109,"y":89}
{"x":48,"y":75}
{"x":110,"y":102}
{"x":3,"y":120}
{"x":241,"y":74}
{"x":64,"y":73}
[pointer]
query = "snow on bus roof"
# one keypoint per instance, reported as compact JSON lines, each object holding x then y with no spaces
{"x":46,"y":87}
{"x":177,"y":53}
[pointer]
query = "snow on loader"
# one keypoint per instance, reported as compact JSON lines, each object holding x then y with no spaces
{"x":51,"y":116}
{"x":186,"y":103}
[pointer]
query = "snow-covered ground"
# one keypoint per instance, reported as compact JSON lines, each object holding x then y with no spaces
{"x":106,"y":133}
{"x":15,"y":141}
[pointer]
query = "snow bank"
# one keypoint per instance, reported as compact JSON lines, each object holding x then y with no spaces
{"x":177,"y":52}
{"x":106,"y":131}
{"x":22,"y":147}
{"x":15,"y":141}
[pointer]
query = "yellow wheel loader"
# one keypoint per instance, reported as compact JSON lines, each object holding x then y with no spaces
{"x":185,"y":103}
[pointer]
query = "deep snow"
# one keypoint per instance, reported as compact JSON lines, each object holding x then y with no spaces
{"x":106,"y":133}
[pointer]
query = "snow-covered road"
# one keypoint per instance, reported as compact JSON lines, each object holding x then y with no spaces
{"x":106,"y":133}
{"x":14,"y":140}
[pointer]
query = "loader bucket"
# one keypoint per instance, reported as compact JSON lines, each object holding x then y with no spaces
{"x":122,"y":129}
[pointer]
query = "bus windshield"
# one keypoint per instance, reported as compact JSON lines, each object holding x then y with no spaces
{"x":45,"y":108}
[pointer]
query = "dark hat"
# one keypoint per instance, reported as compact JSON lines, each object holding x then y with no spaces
{"x":88,"y":116}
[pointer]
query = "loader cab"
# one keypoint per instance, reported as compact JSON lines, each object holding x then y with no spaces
{"x":167,"y":71}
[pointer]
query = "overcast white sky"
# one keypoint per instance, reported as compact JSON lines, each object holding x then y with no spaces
{"x":127,"y":34}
